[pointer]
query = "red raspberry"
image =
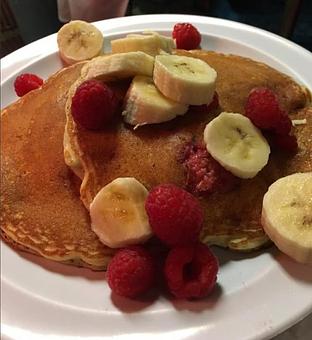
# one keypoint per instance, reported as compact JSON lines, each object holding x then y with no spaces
{"x":174,"y":215}
{"x":191,"y":271}
{"x":204,"y":174}
{"x":131,"y":272}
{"x":26,"y":82}
{"x":93,"y":105}
{"x":263,"y":109}
{"x":186,"y":36}
{"x":206,"y":108}
{"x":286,"y":143}
{"x":284,"y":125}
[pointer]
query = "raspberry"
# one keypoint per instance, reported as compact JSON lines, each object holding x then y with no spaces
{"x":131,"y":272}
{"x":93,"y":105}
{"x":174,"y":215}
{"x":206,"y":108}
{"x":26,"y":82}
{"x":284,"y":125}
{"x":186,"y":36}
{"x":191,"y":271}
{"x":286,"y":143}
{"x":204,"y":174}
{"x":263,"y":109}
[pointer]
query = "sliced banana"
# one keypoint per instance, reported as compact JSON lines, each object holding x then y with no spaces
{"x":287,"y":215}
{"x":149,"y":42}
{"x":118,"y":215}
{"x":118,"y":66}
{"x":184,"y":79}
{"x":236,"y":144}
{"x":78,"y":41}
{"x":144,"y":104}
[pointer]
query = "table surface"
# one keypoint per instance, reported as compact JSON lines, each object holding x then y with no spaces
{"x":300,"y":331}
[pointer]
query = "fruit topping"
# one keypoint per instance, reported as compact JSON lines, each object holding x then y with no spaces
{"x":93,"y":105}
{"x":236,"y":144}
{"x":79,"y":40}
{"x":149,"y":42}
{"x":284,"y":125}
{"x":131,"y":272}
{"x":118,"y":215}
{"x":263,"y":109}
{"x":174,"y":214}
{"x":191,"y":271}
{"x":287,"y":143}
{"x":185,"y":79}
{"x":206,"y":108}
{"x":186,"y":36}
{"x":287,"y":215}
{"x":204,"y":175}
{"x":144,"y":104}
{"x":26,"y":82}
{"x":118,"y":66}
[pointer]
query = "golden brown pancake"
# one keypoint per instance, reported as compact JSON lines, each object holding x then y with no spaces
{"x":151,"y":153}
{"x":40,"y":207}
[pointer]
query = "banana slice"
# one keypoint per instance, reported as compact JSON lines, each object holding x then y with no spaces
{"x":287,"y":215}
{"x":149,"y":42}
{"x":184,"y":79}
{"x":118,"y":215}
{"x":118,"y":66}
{"x":236,"y":144}
{"x":78,"y":41}
{"x":144,"y":104}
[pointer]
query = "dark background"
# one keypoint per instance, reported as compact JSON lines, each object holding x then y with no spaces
{"x":23,"y":21}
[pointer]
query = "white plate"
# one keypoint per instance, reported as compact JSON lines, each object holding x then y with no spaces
{"x":258,"y":295}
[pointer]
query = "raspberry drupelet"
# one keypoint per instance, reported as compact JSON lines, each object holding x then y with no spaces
{"x":204,"y":175}
{"x":94,"y":105}
{"x":186,"y":36}
{"x":263,"y":109}
{"x":131,"y":272}
{"x":26,"y":82}
{"x":174,"y":214}
{"x":191,"y":271}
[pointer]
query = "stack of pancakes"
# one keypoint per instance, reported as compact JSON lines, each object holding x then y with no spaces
{"x":44,"y":202}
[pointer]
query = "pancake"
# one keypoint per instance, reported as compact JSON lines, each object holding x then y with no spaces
{"x":41,"y":212}
{"x":151,"y":152}
{"x":40,"y":207}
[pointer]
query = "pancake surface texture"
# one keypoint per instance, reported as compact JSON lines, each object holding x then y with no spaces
{"x":151,"y":152}
{"x":40,"y":207}
{"x":41,"y":211}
